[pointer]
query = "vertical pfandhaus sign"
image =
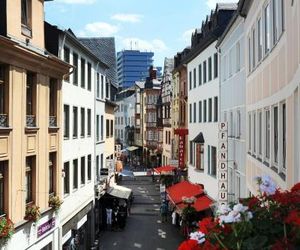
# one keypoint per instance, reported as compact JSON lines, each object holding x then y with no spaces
{"x":223,"y":163}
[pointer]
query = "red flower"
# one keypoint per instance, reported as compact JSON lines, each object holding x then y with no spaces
{"x":189,"y":245}
{"x":293,"y":218}
{"x":296,"y":187}
{"x":253,"y":202}
{"x":206,"y":224}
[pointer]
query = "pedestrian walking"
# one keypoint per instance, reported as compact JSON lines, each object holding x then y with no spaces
{"x":174,"y":217}
{"x":164,"y":211}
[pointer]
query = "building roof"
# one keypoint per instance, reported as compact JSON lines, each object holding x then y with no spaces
{"x":104,"y":48}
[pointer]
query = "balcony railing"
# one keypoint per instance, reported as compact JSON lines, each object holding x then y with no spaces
{"x":52,"y":121}
{"x":3,"y":120}
{"x":30,"y":121}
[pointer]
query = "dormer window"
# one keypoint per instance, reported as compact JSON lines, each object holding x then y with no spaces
{"x":26,"y":17}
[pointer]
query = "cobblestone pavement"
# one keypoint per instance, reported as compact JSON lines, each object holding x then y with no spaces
{"x":144,"y":229}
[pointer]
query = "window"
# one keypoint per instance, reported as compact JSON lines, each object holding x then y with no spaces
{"x":190,"y":79}
{"x":82,"y":114}
{"x":30,"y":100}
{"x":267,"y":34}
{"x":260,"y":133}
{"x":200,"y":111}
{"x":102,"y":127}
{"x":82,"y":73}
{"x":249,"y":133}
{"x":200,"y":74}
{"x":209,"y":69}
{"x":215,"y":65}
{"x":29,"y":178}
{"x":3,"y":97}
{"x":82,"y":170}
{"x":254,"y":132}
{"x":107,"y":89}
{"x":66,"y":178}
{"x":275,"y":133}
{"x":204,"y":72}
{"x":238,"y":57}
{"x":66,"y":121}
{"x":98,"y":86}
{"x":190,"y":113}
{"x":26,"y":13}
{"x":191,"y":153}
{"x":249,"y":54}
{"x":216,"y":109}
{"x":283,"y":136}
{"x":208,"y":160}
{"x":111,"y":128}
{"x":102,"y":86}
{"x":52,"y":172}
{"x":238,"y":122}
{"x":253,"y":48}
{"x":89,"y":167}
{"x":259,"y":40}
{"x":213,"y":161}
{"x":75,"y":174}
{"x":75,"y":73}
{"x":75,"y":122}
{"x":107,"y":128}
{"x":195,"y":110}
{"x":52,"y":103}
{"x":89,"y":87}
{"x":268,"y":130}
{"x":194,"y":78}
{"x":199,"y":156}
{"x":204,"y":111}
{"x":3,"y":192}
{"x":97,"y":167}
{"x":209,"y":110}
{"x":97,"y":128}
{"x":89,"y":122}
{"x":230,"y":62}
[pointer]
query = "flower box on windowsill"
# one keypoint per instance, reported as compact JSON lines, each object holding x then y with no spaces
{"x":55,"y":203}
{"x":7,"y":229}
{"x":32,"y":213}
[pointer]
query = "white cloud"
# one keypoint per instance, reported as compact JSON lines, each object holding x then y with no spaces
{"x":186,"y":36}
{"x":212,"y":3}
{"x":77,"y":1}
{"x":130,"y":18}
{"x":99,"y":29}
{"x":155,"y":45}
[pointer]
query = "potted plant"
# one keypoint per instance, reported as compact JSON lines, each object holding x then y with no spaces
{"x":55,"y":203}
{"x":32,"y":213}
{"x":6,"y":230}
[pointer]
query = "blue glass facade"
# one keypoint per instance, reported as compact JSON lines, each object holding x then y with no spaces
{"x":133,"y":65}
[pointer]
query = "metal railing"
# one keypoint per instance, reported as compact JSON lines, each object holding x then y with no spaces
{"x":30,"y":121}
{"x":3,"y":120}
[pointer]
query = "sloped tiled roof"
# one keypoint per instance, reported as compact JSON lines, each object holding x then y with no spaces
{"x":104,"y":48}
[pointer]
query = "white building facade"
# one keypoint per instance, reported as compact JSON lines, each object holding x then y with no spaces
{"x":203,"y":95}
{"x":232,"y":103}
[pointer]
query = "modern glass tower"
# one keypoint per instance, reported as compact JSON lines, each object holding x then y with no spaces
{"x":133,"y":65}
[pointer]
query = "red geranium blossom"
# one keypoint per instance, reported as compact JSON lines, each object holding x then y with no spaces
{"x":189,"y":245}
{"x":293,"y":218}
{"x":206,"y":225}
{"x":296,"y":187}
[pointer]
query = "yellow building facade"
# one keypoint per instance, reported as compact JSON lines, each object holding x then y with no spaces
{"x":30,"y":119}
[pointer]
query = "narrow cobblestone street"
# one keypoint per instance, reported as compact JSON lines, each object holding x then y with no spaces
{"x":144,"y":229}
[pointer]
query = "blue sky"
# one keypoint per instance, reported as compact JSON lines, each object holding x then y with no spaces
{"x":163,"y":27}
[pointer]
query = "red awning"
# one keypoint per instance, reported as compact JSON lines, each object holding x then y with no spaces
{"x":201,"y":203}
{"x":164,"y":169}
{"x":184,"y":189}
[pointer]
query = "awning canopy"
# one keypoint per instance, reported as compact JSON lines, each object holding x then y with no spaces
{"x":202,"y":203}
{"x":119,"y":192}
{"x":184,"y":189}
{"x":199,"y":138}
{"x":165,"y":169}
{"x":132,"y":148}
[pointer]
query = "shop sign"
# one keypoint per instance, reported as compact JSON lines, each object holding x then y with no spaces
{"x":46,"y":227}
{"x":181,"y":152}
{"x":223,"y":163}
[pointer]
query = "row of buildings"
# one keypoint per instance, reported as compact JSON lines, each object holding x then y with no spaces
{"x":241,"y":69}
{"x":56,"y":128}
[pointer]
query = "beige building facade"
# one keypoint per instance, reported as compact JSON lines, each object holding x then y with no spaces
{"x":272,"y":91}
{"x":30,"y":127}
